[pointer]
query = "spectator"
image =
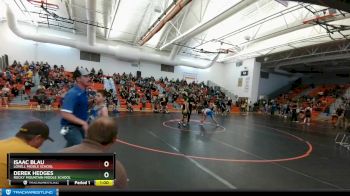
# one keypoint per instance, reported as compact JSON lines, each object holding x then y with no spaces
{"x":28,"y":85}
{"x":129,"y":104}
{"x":101,"y":135}
{"x":100,"y":72}
{"x":0,"y":96}
{"x":28,"y":139}
{"x":6,"y":94}
{"x":115,"y":102}
{"x":340,"y":119}
{"x":347,"y":117}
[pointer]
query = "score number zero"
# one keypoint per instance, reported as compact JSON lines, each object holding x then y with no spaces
{"x":106,"y":164}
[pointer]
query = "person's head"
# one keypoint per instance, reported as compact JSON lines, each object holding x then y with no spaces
{"x":34,"y":133}
{"x":103,"y":130}
{"x":82,"y":77}
{"x":211,"y":105}
{"x":186,"y":99}
{"x":100,"y":96}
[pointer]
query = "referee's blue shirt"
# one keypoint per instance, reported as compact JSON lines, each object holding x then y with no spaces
{"x":76,"y":103}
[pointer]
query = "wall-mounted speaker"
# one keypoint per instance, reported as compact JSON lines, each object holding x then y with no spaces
{"x":6,"y":61}
{"x":138,"y":74}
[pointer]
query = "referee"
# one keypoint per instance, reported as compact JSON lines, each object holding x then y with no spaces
{"x":74,"y":109}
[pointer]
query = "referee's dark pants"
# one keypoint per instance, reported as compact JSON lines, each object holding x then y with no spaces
{"x":189,"y":116}
{"x":74,"y":136}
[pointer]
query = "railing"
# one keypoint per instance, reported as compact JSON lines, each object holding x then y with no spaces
{"x":227,"y":92}
{"x":283,"y":89}
{"x":339,"y":101}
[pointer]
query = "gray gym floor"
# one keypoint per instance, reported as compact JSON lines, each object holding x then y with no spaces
{"x":253,"y":152}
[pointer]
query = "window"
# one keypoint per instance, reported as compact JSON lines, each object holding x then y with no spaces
{"x":89,"y":56}
{"x":167,"y":68}
{"x":264,"y":74}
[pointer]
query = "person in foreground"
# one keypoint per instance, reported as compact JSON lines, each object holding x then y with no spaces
{"x":101,"y":135}
{"x":28,"y":139}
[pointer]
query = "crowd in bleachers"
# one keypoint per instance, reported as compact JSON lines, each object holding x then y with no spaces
{"x":16,"y":79}
{"x":341,"y":117}
{"x":128,"y":91}
{"x":132,"y":93}
{"x":162,"y":94}
{"x":297,"y":107}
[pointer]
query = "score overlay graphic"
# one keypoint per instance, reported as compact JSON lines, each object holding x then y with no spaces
{"x":71,"y":169}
